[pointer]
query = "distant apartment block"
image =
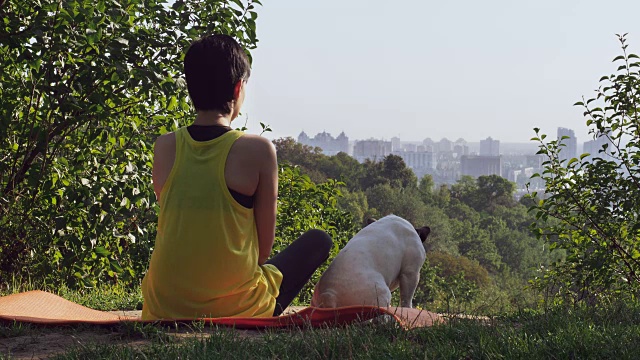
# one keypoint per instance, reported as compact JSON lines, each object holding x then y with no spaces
{"x":444,"y":145}
{"x":328,"y":144}
{"x":371,"y":149}
{"x":570,"y":148}
{"x":593,"y":147}
{"x":460,"y":147}
{"x":521,"y":176}
{"x":476,"y":166}
{"x":489,"y":147}
{"x":534,"y":161}
{"x":418,"y":160}
{"x":428,"y":142}
{"x":409,"y":147}
{"x":396,"y":144}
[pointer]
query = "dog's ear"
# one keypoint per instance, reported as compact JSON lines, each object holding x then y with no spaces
{"x":423,"y":232}
{"x":370,"y":221}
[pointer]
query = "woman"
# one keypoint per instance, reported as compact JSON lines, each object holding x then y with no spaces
{"x":217,"y":190}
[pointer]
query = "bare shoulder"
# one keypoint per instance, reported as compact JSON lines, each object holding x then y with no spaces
{"x":256,"y":145}
{"x":164,"y":141}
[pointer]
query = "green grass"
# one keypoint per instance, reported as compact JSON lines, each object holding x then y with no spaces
{"x":608,"y":331}
{"x":105,"y":298}
{"x":611,"y":333}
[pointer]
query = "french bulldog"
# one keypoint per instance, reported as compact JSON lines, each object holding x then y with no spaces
{"x":384,"y":255}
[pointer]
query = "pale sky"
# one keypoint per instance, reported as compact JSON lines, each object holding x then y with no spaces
{"x":418,"y":69}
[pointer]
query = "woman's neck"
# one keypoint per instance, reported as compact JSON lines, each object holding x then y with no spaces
{"x":212,"y":118}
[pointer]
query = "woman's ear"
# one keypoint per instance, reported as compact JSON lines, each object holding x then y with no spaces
{"x":237,"y":89}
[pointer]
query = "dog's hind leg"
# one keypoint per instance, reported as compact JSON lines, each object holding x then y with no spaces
{"x":326,"y":299}
{"x":383,"y":296}
{"x":408,"y":285}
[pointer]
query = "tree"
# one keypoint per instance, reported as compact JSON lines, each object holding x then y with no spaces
{"x":372,"y":175}
{"x":355,"y":203}
{"x":85,"y":88}
{"x":294,"y":153}
{"x":485,"y":192}
{"x":391,"y":170}
{"x":475,"y":243}
{"x":466,"y":190}
{"x":383,"y":198}
{"x":595,"y":202}
{"x":440,"y":238}
{"x":396,"y":171}
{"x":342,"y":167}
{"x":495,"y":190}
{"x":442,"y":197}
{"x":307,"y":157}
{"x":427,"y":188}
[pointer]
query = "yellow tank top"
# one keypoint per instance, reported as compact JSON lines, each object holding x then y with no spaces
{"x":205,"y":260}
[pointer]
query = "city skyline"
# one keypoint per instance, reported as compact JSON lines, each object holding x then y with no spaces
{"x":560,"y":131}
{"x":444,"y":160}
{"x":448,"y":160}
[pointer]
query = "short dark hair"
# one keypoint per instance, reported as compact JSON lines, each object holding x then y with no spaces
{"x":213,"y":65}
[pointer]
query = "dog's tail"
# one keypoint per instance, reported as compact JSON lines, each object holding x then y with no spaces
{"x":326,"y":299}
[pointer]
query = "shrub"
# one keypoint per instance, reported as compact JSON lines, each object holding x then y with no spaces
{"x":591,"y":203}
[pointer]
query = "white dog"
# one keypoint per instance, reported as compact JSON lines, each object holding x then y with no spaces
{"x":382,"y":256}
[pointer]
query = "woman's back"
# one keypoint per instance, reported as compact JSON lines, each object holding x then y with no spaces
{"x":205,"y":261}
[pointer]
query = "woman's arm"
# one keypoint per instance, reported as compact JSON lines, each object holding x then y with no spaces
{"x":164,"y":155}
{"x":266,"y":196}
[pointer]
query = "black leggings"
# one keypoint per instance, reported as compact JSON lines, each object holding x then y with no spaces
{"x":297,"y":262}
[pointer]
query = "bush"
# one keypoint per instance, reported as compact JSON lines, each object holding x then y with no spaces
{"x":591,"y":203}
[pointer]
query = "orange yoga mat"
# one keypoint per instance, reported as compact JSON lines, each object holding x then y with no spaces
{"x":40,"y":307}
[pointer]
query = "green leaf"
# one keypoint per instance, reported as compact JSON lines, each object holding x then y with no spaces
{"x":115,"y":266}
{"x":122,"y":41}
{"x":101,"y":251}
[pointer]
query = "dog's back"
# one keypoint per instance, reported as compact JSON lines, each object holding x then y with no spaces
{"x":363,"y":271}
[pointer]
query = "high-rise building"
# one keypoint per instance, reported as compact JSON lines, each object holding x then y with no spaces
{"x":418,"y":160}
{"x":328,"y":144}
{"x":444,"y":145}
{"x":480,"y":165}
{"x":460,"y":147}
{"x":570,"y":148}
{"x":395,"y":143}
{"x":489,"y":147}
{"x":594,"y":148}
{"x":409,"y":147}
{"x":534,"y":161}
{"x":429,"y":145}
{"x":371,"y":149}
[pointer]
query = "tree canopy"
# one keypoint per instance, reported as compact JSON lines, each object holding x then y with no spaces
{"x":85,"y":88}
